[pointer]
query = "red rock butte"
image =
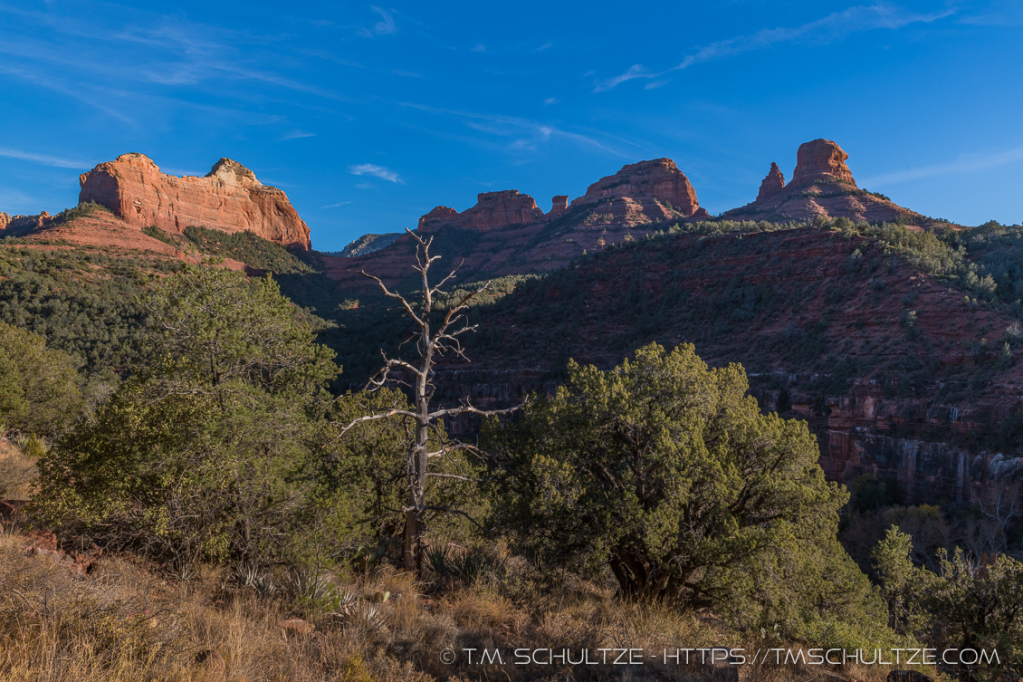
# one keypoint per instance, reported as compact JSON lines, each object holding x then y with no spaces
{"x":822,"y":186}
{"x":644,"y":192}
{"x":821,"y":161}
{"x":659,"y":179}
{"x":492,"y":210}
{"x":229,"y":198}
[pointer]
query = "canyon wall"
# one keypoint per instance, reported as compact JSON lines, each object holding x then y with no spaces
{"x":229,"y":198}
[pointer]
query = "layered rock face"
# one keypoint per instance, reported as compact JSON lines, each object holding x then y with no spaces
{"x":822,"y":185}
{"x":493,"y":210}
{"x":19,"y":225}
{"x":821,"y":161}
{"x":229,"y":198}
{"x":772,"y":184}
{"x":658,"y":179}
{"x":559,"y":204}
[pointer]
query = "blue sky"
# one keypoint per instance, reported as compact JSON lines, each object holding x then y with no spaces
{"x":369,"y":115}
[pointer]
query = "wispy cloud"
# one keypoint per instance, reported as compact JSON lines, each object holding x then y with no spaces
{"x":999,"y":13}
{"x":365,"y":185}
{"x":964,"y":164}
{"x":824,"y":30}
{"x":338,"y":204}
{"x":13,"y":200}
{"x":376,"y":171}
{"x":297,"y":135}
{"x":550,"y":100}
{"x":480,"y":47}
{"x":386,"y":26}
{"x":44,"y":159}
{"x":527,"y":134}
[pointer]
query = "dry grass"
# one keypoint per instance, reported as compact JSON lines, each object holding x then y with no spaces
{"x":17,"y":471}
{"x":124,"y":623}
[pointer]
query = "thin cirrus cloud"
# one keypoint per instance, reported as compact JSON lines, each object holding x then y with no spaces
{"x":338,"y":204}
{"x":44,"y":159}
{"x":824,"y":30}
{"x":386,"y":26}
{"x":962,"y":165}
{"x":376,"y":171}
{"x":298,"y":135}
{"x":526,"y":134}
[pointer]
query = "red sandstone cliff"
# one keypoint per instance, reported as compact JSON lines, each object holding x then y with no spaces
{"x":492,"y":210}
{"x":821,"y":161}
{"x":659,"y":179}
{"x":822,"y":185}
{"x":229,"y":199}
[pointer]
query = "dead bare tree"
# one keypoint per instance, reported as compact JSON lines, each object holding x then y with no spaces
{"x":431,"y":344}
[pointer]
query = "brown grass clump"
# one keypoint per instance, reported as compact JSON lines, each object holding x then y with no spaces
{"x":17,"y":469}
{"x":123,"y":623}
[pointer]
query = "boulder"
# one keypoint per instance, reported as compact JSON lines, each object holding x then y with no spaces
{"x":821,"y":161}
{"x":659,"y":179}
{"x":772,"y":184}
{"x":229,"y":198}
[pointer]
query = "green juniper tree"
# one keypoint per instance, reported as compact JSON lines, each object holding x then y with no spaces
{"x":40,"y":388}
{"x":205,"y":451}
{"x":667,"y":473}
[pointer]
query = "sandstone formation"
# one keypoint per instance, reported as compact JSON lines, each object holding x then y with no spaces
{"x":822,"y":186}
{"x":229,"y":198}
{"x":515,"y":236}
{"x":659,"y":179}
{"x":19,"y":225}
{"x":493,"y":210}
{"x":821,"y":161}
{"x":772,"y":184}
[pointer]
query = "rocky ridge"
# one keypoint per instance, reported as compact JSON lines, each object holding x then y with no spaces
{"x":229,"y":198}
{"x":822,"y":185}
{"x":493,"y":210}
{"x":906,"y":414}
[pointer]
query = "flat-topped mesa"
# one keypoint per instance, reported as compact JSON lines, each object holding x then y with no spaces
{"x":659,"y":179}
{"x":821,"y":161}
{"x":492,"y":210}
{"x":772,"y":184}
{"x":229,"y":198}
{"x":559,"y":204}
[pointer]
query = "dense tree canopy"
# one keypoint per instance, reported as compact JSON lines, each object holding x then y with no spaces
{"x":40,"y":389}
{"x":665,"y":471}
{"x":204,"y":451}
{"x":965,"y":604}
